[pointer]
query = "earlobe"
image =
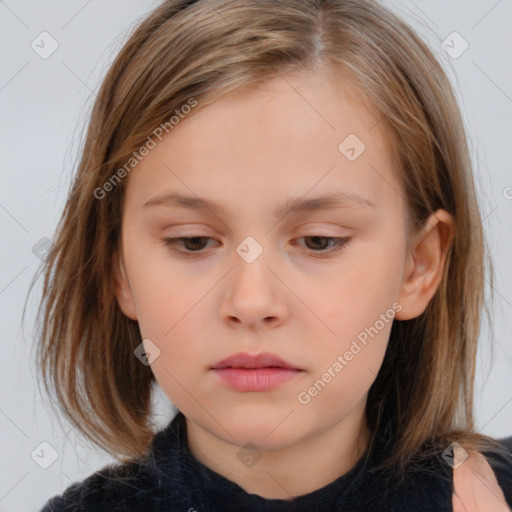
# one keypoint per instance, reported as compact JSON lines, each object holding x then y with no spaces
{"x":122,"y":288}
{"x":425,"y":264}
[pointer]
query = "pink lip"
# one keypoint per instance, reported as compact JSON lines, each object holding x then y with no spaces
{"x":255,"y":379}
{"x":261,"y":372}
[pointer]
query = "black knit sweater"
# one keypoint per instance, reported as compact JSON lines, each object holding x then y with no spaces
{"x":171,"y":479}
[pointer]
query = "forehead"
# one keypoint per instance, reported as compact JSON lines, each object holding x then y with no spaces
{"x":291,"y":135}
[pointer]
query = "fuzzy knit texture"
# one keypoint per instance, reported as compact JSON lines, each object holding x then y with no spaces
{"x":171,"y":479}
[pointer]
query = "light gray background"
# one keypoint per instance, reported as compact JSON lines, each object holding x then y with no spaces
{"x":44,"y":104}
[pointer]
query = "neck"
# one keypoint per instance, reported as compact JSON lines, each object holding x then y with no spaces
{"x":309,"y":464}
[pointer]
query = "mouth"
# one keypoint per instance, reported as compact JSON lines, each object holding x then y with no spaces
{"x":257,"y":373}
{"x":256,"y":379}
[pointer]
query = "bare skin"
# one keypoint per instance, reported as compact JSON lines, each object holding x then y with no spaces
{"x":476,"y":487}
{"x":250,"y":151}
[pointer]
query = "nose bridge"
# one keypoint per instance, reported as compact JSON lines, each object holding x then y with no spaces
{"x":250,"y":250}
{"x":251,"y":261}
{"x":253,"y":288}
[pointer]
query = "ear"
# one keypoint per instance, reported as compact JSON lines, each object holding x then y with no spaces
{"x":425,"y":264}
{"x":122,"y":288}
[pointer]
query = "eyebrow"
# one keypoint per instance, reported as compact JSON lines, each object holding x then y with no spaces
{"x":292,"y":205}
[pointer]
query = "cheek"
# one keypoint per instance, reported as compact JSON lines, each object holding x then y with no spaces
{"x":345,"y":369}
{"x":358,"y":291}
{"x":172,"y":312}
{"x":162,"y":293}
{"x":358,"y":307}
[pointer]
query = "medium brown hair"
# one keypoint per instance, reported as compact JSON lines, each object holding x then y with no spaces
{"x":423,"y":394}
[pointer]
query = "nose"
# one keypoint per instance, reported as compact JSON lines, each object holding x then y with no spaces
{"x":254,"y":295}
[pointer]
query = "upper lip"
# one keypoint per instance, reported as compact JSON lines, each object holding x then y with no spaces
{"x":244,"y":360}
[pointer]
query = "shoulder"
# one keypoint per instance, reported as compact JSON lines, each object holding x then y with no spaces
{"x":113,"y":488}
{"x":483,"y":482}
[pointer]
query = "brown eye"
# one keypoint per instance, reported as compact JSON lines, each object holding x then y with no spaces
{"x":318,"y":244}
{"x":193,"y":244}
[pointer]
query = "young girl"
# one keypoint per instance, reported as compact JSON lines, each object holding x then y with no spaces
{"x":274,"y":219}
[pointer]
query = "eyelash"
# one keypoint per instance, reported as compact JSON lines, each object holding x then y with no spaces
{"x":340,"y":244}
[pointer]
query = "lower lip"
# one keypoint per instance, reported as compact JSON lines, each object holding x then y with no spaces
{"x":256,"y":379}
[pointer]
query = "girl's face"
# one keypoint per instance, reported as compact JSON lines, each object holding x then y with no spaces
{"x":258,"y":279}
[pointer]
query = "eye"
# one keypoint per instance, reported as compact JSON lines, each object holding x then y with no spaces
{"x":338,"y":244}
{"x":194,"y":245}
{"x":193,"y":242}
